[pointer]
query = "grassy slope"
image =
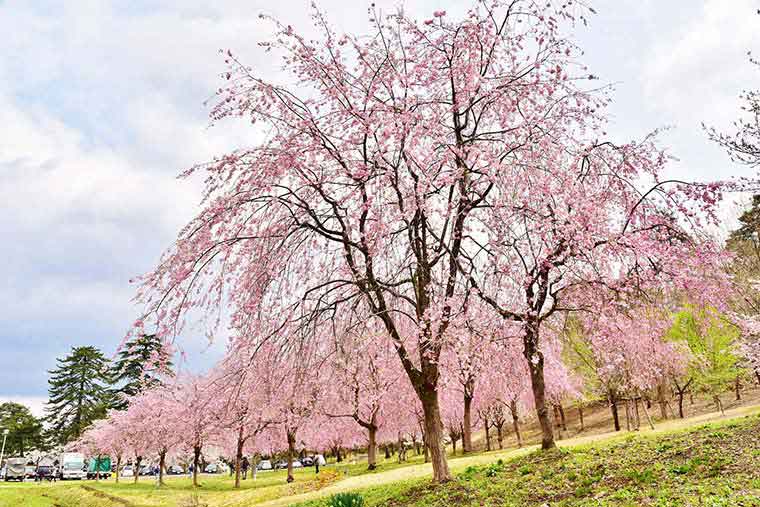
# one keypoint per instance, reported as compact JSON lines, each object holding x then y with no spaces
{"x":717,"y":464}
{"x":520,"y":480}
{"x":398,"y":480}
{"x":629,"y":462}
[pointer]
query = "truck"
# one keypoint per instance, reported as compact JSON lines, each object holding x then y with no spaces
{"x":99,"y":466}
{"x":15,"y":469}
{"x":71,"y":466}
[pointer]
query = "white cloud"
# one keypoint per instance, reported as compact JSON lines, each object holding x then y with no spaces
{"x":101,"y":106}
{"x":701,"y":66}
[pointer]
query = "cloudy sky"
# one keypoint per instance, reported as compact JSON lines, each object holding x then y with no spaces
{"x":101,"y":105}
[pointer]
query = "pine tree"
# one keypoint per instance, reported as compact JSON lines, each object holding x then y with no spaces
{"x":79,"y":393}
{"x":140,"y":365}
{"x":749,"y":226}
{"x":25,"y":430}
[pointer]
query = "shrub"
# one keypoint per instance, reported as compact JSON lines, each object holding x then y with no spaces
{"x":469,"y":472}
{"x":494,"y":468}
{"x":346,"y":500}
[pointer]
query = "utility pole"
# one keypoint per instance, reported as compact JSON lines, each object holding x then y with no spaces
{"x":2,"y":451}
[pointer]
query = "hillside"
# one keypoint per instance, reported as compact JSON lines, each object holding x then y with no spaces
{"x":704,"y":458}
{"x":716,"y":464}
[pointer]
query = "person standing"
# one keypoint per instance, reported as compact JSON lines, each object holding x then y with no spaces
{"x":245,"y":465}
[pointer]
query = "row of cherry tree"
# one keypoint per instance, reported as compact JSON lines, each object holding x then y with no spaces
{"x":354,"y":394}
{"x":425,"y":213}
{"x":269,"y":401}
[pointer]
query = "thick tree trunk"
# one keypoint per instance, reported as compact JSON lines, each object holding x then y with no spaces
{"x":580,"y":415}
{"x":738,"y":388}
{"x":649,"y":417}
{"x":372,"y":447}
{"x":661,"y":401}
{"x":291,"y":454}
{"x":557,"y":421}
{"x":161,"y":465}
{"x":238,"y":457}
{"x":628,"y":414}
{"x":515,"y":421}
{"x":387,"y":451}
{"x":467,"y":425}
{"x":138,"y":460}
{"x":434,"y":434}
{"x":718,"y":404}
{"x":118,"y":468}
{"x":614,"y":409}
{"x":500,"y":435}
{"x":680,"y":404}
{"x":196,"y":464}
{"x":488,"y":435}
{"x":636,"y":416}
{"x":536,"y":366}
{"x":453,"y":446}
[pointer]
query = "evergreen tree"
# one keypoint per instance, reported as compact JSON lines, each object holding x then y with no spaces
{"x":25,"y":430}
{"x":749,"y":228}
{"x":79,"y":393}
{"x":140,"y":365}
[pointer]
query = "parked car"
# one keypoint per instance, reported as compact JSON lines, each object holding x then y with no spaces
{"x":308,"y":461}
{"x":264,"y":465}
{"x":71,"y":466}
{"x":127,"y":471}
{"x":283,"y":464}
{"x":45,"y":473}
{"x":174,"y":470}
{"x":148,"y":470}
{"x":212,"y":468}
{"x":99,"y":468}
{"x":30,"y":472}
{"x":15,"y":469}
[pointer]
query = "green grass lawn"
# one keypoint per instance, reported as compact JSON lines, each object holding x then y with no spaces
{"x":684,"y":462}
{"x":716,"y":464}
{"x":178,"y":491}
{"x":215,"y":490}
